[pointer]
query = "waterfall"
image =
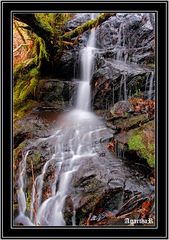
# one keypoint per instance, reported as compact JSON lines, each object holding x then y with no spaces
{"x":21,"y":180}
{"x":123,"y":96}
{"x":21,"y":194}
{"x":149,"y":85}
{"x":122,"y":54}
{"x":78,"y":134}
{"x":76,"y":141}
{"x":125,"y":88}
{"x":87,"y":55}
{"x":151,"y":80}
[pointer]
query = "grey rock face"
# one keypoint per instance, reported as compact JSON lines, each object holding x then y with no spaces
{"x":125,"y":51}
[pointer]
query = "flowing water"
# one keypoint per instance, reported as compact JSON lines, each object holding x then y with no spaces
{"x":123,"y":88}
{"x":149,"y":86}
{"x":151,"y":81}
{"x":77,"y":132}
{"x":87,"y":56}
{"x":74,"y":140}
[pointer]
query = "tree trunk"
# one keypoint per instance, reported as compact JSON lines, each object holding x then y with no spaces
{"x":35,"y":26}
{"x":88,"y":25}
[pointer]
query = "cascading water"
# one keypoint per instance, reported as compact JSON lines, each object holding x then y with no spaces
{"x":21,"y":194}
{"x":76,"y":139}
{"x":149,"y":85}
{"x":83,"y":96}
{"x":150,"y":91}
{"x":123,"y":83}
{"x":77,"y":132}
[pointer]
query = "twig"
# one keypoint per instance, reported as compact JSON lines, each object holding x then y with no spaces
{"x":16,"y":49}
{"x":21,"y":35}
{"x":33,"y":177}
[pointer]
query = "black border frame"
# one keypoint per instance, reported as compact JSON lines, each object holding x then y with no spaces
{"x":161,"y":7}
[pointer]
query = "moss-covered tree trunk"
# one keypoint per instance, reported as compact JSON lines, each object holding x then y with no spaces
{"x":50,"y":40}
{"x":48,"y":37}
{"x":34,"y":25}
{"x":88,"y":25}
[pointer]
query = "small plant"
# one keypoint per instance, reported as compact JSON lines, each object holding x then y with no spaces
{"x":138,"y":94}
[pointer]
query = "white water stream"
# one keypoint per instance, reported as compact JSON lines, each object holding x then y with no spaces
{"x":87,"y":64}
{"x":74,"y":140}
{"x":151,"y":80}
{"x":77,"y":131}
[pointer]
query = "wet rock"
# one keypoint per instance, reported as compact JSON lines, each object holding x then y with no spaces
{"x":122,"y":40}
{"x":116,"y":80}
{"x":130,"y":122}
{"x":56,"y":92}
{"x":121,"y":108}
{"x":129,"y":33}
{"x":77,"y":20}
{"x":20,"y":137}
{"x":65,"y":67}
{"x":138,"y":143}
{"x":102,"y":182}
{"x":143,"y":142}
{"x":68,"y":210}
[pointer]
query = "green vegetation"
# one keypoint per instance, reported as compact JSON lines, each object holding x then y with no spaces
{"x":45,"y":35}
{"x":24,"y":108}
{"x":130,"y":121}
{"x":17,"y":156}
{"x":28,"y":201}
{"x":136,"y":143}
{"x":41,"y":53}
{"x":88,"y":25}
{"x":36,"y":157}
{"x":151,"y":65}
{"x":25,"y":86}
{"x":138,"y":94}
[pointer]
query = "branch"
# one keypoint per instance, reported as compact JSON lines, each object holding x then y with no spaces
{"x":35,"y":26}
{"x":16,"y":49}
{"x":88,"y":25}
{"x":21,"y":35}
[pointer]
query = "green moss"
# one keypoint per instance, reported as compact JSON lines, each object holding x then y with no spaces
{"x":27,"y":89}
{"x":79,"y":30}
{"x":28,"y":201}
{"x":36,"y":157}
{"x":18,"y":149}
{"x":17,"y":156}
{"x":24,"y":94}
{"x":22,"y":90}
{"x":151,"y":65}
{"x":138,"y":94}
{"x":53,"y":22}
{"x":40,"y":52}
{"x":21,"y":70}
{"x":136,"y":143}
{"x":25,"y":107}
{"x":43,"y":54}
{"x":25,"y":86}
{"x":34,"y":72}
{"x":18,"y":70}
{"x":130,"y":122}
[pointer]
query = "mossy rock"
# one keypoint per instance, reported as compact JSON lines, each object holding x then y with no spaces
{"x":23,"y":89}
{"x":24,"y":108}
{"x":140,"y":140}
{"x":87,"y":205}
{"x":143,"y":142}
{"x":130,"y":122}
{"x":121,"y":108}
{"x":22,"y":69}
